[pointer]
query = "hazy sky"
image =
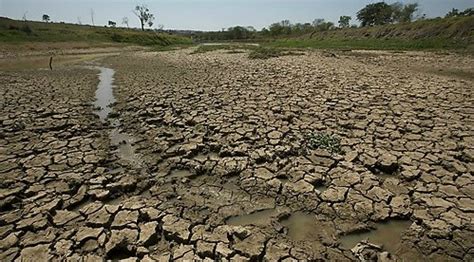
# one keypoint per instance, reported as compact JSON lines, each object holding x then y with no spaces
{"x":206,"y":14}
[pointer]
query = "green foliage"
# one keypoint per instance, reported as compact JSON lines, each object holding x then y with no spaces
{"x":232,"y":48}
{"x":325,"y":141}
{"x":265,"y":53}
{"x":144,"y":15}
{"x":403,"y":13}
{"x":375,"y":14}
{"x":232,"y":33}
{"x":341,"y":43}
{"x":27,"y":29}
{"x":46,"y":18}
{"x":455,"y":12}
{"x":20,"y":31}
{"x":381,"y":13}
{"x":344,"y":21}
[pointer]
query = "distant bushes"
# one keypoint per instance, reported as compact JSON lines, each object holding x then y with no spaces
{"x":265,"y":53}
{"x":271,"y":52}
{"x":147,"y":38}
{"x":24,"y":28}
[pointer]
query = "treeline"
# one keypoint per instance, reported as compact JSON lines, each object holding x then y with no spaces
{"x":375,"y":14}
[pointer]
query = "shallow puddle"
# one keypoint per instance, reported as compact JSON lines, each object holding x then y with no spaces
{"x":387,"y":234}
{"x":125,"y":150}
{"x":104,"y":93}
{"x":259,"y":218}
{"x":180,"y":173}
{"x":209,"y":156}
{"x":302,"y":226}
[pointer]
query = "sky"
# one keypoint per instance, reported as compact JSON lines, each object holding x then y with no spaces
{"x":206,"y":14}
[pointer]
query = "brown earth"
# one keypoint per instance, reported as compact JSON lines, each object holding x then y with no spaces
{"x":224,"y":171}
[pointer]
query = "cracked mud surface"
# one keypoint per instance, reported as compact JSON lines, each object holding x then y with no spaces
{"x":224,"y":173}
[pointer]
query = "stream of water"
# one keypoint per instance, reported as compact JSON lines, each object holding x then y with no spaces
{"x":104,"y":101}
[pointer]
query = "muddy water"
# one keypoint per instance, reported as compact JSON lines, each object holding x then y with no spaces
{"x":104,"y":94}
{"x":104,"y":100}
{"x":304,"y":227}
{"x":180,"y":173}
{"x":259,"y":218}
{"x":387,"y":234}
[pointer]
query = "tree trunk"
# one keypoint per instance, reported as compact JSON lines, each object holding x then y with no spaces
{"x":143,"y":24}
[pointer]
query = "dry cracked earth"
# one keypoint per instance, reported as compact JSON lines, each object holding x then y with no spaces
{"x":204,"y":157}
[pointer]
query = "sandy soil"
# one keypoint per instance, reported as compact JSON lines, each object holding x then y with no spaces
{"x":205,"y":158}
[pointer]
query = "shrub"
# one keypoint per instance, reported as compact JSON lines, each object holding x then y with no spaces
{"x":26,"y":28}
{"x":323,"y":141}
{"x":117,"y":38}
{"x":265,"y":53}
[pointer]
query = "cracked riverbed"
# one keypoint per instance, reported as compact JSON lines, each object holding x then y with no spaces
{"x":174,"y":156}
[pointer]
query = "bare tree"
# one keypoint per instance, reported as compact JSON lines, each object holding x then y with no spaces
{"x":92,"y":16}
{"x":24,"y":16}
{"x":125,"y":21}
{"x":79,"y":20}
{"x":143,"y":13}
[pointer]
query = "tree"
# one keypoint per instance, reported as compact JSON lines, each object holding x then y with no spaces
{"x":92,"y":16}
{"x":112,"y":23}
{"x":408,"y":12}
{"x":344,"y":21}
{"x":454,"y":12}
{"x":46,"y":18}
{"x":403,"y":13}
{"x":143,"y":13}
{"x":467,"y":12}
{"x":375,"y":14}
{"x":125,"y":21}
{"x":317,"y":21}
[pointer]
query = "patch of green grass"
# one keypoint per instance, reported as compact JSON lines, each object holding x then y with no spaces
{"x":270,"y":52}
{"x":326,"y":141}
{"x":370,"y":44}
{"x":170,"y":47}
{"x":265,"y":53}
{"x":230,"y":47}
{"x":13,"y":31}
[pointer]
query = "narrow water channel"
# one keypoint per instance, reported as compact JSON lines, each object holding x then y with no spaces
{"x":104,"y":101}
{"x":104,"y":94}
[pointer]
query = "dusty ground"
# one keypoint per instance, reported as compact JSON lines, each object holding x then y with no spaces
{"x":219,"y":169}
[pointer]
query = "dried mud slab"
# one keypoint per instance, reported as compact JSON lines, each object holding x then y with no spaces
{"x":224,"y":170}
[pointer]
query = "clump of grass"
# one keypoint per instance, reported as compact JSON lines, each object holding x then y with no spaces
{"x":269,"y":52}
{"x":265,"y":53}
{"x":326,"y":141}
{"x":229,"y":47}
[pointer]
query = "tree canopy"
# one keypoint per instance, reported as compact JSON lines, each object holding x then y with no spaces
{"x":344,"y":21}
{"x":46,"y":18}
{"x":145,"y":16}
